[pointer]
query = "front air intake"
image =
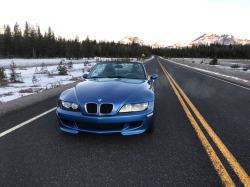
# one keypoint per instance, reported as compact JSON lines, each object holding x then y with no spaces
{"x":106,"y":126}
{"x":106,"y":108}
{"x":91,"y":108}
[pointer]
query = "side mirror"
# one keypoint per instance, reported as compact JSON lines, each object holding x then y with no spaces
{"x":154,"y":76}
{"x":85,"y":76}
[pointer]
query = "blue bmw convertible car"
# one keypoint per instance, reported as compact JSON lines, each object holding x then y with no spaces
{"x":115,"y":97}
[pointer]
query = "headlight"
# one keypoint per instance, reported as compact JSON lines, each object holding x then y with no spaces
{"x":69,"y":106}
{"x":134,"y":107}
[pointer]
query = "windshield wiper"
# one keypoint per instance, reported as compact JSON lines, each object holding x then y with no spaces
{"x":115,"y":77}
{"x":97,"y":77}
{"x":108,"y":77}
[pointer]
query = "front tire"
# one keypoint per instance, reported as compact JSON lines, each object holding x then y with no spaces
{"x":151,"y":127}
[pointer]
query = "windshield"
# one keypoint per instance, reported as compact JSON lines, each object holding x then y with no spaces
{"x":131,"y":70}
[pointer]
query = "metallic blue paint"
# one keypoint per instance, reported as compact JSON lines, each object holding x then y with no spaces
{"x":85,"y":75}
{"x":118,"y":91}
{"x":154,"y":76}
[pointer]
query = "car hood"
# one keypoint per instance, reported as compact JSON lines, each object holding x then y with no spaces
{"x":115,"y":91}
{"x":109,"y":90}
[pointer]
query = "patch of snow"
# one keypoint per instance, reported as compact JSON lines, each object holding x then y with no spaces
{"x":11,"y":91}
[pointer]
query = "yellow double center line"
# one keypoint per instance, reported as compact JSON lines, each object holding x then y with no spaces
{"x":226,"y":179}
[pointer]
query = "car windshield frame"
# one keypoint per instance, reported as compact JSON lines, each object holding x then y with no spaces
{"x":143,"y":71}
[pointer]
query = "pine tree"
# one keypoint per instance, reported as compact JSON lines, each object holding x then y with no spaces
{"x":76,"y":51}
{"x":1,"y":44}
{"x":69,"y":50}
{"x":14,"y":76}
{"x":33,"y":36}
{"x":44,"y":46}
{"x":62,"y":69}
{"x":7,"y":41}
{"x":2,"y":74}
{"x":39,"y":42}
{"x":59,"y":47}
{"x":88,"y":48}
{"x":50,"y":43}
{"x":17,"y":41}
{"x":214,"y":61}
{"x":26,"y":40}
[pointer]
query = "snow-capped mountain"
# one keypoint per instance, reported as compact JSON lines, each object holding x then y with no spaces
{"x":157,"y":45}
{"x":224,"y":39}
{"x":130,"y":39}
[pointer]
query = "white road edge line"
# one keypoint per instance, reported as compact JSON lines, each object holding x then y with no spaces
{"x":207,"y":75}
{"x":26,"y":122}
{"x":148,"y":62}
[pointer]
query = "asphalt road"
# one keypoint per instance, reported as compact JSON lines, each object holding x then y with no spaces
{"x":39,"y":154}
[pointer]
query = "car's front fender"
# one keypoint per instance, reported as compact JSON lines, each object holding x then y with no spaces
{"x":143,"y":95}
{"x":68,"y":95}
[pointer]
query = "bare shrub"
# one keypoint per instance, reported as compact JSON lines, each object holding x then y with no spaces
{"x":246,"y":67}
{"x":29,"y":90}
{"x":7,"y":94}
{"x":235,"y":65}
{"x":70,"y":65}
{"x":58,"y":83}
{"x":36,"y":81}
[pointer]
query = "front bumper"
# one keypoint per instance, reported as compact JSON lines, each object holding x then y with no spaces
{"x":132,"y":122}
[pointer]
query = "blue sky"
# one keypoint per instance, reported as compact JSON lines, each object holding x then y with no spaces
{"x":163,"y":21}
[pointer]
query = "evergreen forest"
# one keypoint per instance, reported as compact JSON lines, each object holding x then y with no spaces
{"x":207,"y":51}
{"x":31,"y":43}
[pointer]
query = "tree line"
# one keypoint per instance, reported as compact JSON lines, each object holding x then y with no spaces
{"x":206,"y":51}
{"x":31,"y":43}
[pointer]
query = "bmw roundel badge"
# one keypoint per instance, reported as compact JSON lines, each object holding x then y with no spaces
{"x":99,"y":100}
